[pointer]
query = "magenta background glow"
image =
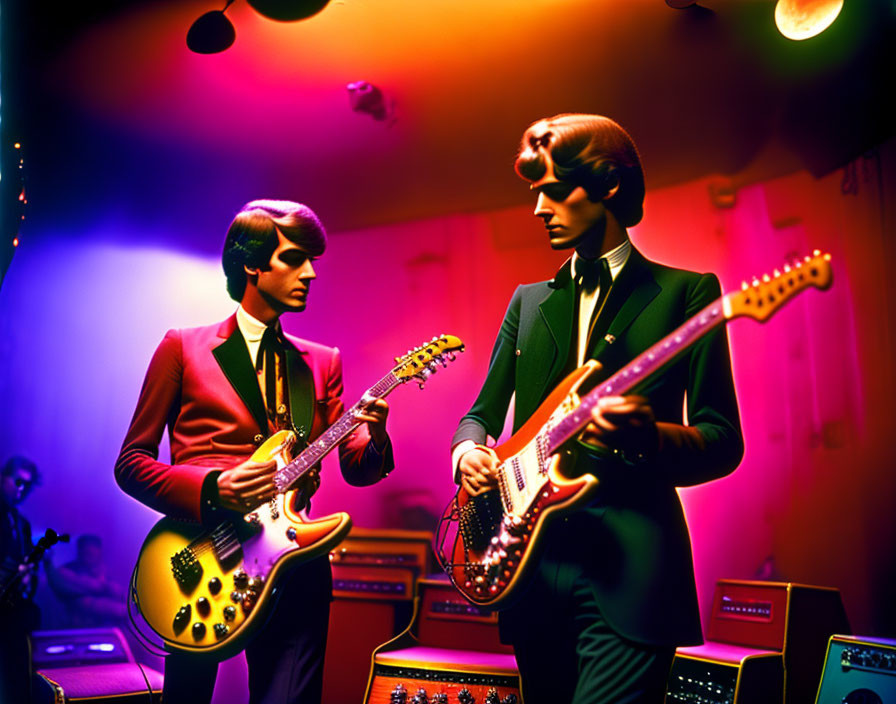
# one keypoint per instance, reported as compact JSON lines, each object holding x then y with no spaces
{"x":81,"y":315}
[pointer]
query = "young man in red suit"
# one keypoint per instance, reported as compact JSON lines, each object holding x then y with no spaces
{"x":221,"y":390}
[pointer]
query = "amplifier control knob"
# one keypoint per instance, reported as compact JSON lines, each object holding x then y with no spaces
{"x":509,"y":699}
{"x":221,"y":630}
{"x":399,"y":695}
{"x":229,"y":613}
{"x":240,"y":579}
{"x":420,"y":697}
{"x":236,"y":597}
{"x":198,"y":630}
{"x":440,"y":698}
{"x":492,"y":697}
{"x":464,"y":696}
{"x":182,"y":618}
{"x":214,"y":585}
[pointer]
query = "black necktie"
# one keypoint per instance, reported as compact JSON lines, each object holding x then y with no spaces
{"x":593,"y":273}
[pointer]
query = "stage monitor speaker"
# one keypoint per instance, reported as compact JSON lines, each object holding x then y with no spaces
{"x":858,"y":670}
{"x":90,"y":666}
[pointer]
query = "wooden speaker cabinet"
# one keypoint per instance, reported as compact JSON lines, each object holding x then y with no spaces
{"x":374,"y":582}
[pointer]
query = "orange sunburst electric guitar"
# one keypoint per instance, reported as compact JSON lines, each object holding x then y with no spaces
{"x":207,"y":591}
{"x":498,"y":531}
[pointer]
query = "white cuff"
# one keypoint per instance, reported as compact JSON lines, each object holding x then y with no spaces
{"x":456,"y":453}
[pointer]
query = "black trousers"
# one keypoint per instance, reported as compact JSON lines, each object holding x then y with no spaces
{"x":285,"y":658}
{"x":568,"y":654}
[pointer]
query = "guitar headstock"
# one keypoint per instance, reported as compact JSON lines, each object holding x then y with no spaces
{"x":422,"y":362}
{"x":763,"y":297}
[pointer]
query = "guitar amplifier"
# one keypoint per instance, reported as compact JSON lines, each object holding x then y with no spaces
{"x":858,"y":670}
{"x":450,"y":653}
{"x":715,"y":673}
{"x":374,"y":579}
{"x":769,"y":622}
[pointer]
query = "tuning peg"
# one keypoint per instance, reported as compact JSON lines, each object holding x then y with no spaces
{"x":744,"y":285}
{"x":766,"y":278}
{"x":808,"y":259}
{"x":755,"y":282}
{"x":776,"y":273}
{"x":787,"y":268}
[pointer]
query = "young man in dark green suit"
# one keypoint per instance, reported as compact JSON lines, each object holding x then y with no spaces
{"x":614,"y":592}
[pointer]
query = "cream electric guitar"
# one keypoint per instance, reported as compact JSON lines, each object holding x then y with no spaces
{"x":498,"y":531}
{"x":206,"y":591}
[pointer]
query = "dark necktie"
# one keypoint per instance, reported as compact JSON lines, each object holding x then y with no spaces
{"x":272,"y":359}
{"x":593,"y":273}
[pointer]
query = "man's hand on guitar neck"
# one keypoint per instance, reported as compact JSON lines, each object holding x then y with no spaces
{"x":375,"y":415}
{"x":477,"y":468}
{"x":247,"y":485}
{"x":625,"y":424}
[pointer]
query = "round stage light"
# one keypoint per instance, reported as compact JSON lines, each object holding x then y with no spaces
{"x":802,"y":19}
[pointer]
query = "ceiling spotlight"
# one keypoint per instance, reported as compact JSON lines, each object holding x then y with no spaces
{"x":211,"y":33}
{"x":288,"y":10}
{"x":803,"y":19}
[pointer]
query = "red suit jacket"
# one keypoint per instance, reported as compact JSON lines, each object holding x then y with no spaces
{"x":202,"y":385}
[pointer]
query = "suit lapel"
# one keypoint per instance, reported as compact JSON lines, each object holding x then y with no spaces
{"x":632,"y":290}
{"x":301,"y":391}
{"x":557,"y":312}
{"x":232,"y":356}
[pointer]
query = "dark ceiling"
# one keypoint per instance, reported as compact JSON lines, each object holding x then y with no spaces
{"x":117,"y":115}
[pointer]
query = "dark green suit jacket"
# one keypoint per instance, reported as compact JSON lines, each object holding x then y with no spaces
{"x":632,"y":542}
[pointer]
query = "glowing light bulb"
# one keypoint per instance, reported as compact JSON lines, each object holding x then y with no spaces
{"x":803,"y":19}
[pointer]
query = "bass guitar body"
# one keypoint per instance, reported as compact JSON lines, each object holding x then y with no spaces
{"x":207,"y":591}
{"x":498,"y":530}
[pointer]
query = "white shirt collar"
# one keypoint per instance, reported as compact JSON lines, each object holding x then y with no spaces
{"x":251,"y":327}
{"x":616,"y":258}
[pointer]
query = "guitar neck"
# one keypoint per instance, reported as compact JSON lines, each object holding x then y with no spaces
{"x":285,"y":478}
{"x":638,"y":370}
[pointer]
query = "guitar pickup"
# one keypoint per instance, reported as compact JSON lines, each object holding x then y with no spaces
{"x":186,"y":568}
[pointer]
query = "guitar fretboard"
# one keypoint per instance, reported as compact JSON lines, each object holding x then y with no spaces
{"x":638,"y":370}
{"x":336,"y":433}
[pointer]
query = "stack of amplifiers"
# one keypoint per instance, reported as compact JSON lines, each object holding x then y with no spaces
{"x":374,"y":584}
{"x":765,"y":646}
{"x":450,"y":654}
{"x":858,"y":670}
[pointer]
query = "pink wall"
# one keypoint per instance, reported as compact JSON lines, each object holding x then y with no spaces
{"x":816,"y":487}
